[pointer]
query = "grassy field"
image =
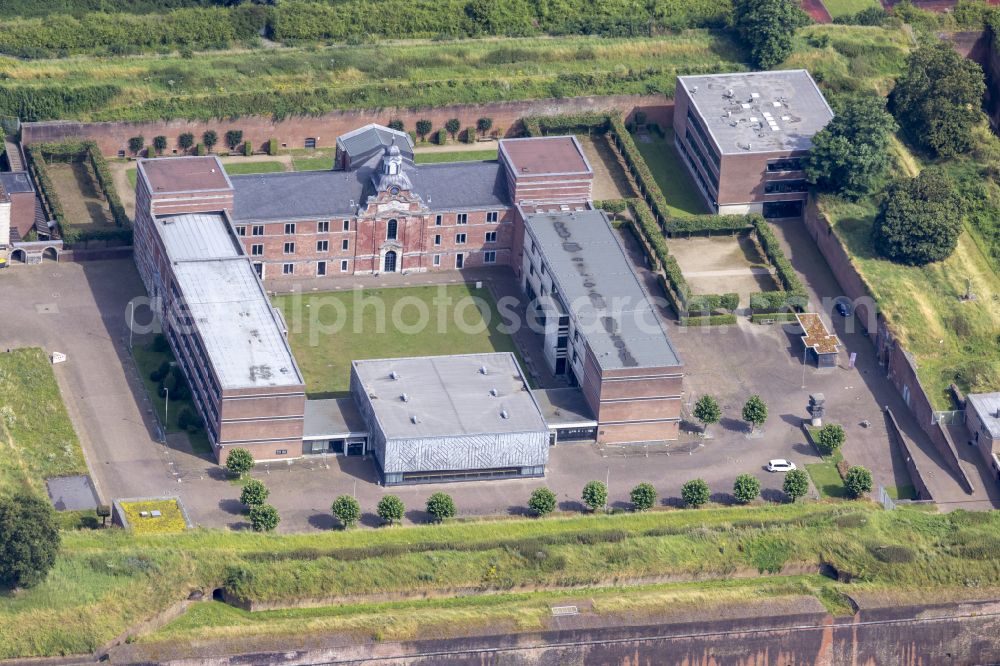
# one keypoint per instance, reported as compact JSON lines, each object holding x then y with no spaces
{"x":455,"y":156}
{"x":329,"y":330}
{"x":683,"y":198}
{"x":311,"y":80}
{"x":321,"y":160}
{"x":37,"y":440}
{"x":240,"y":168}
{"x":171,"y":519}
{"x":147,"y":360}
{"x":77,"y":189}
{"x":107,"y":581}
{"x":848,"y":7}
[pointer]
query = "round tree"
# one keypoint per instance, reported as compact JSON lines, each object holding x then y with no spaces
{"x":796,"y":484}
{"x":858,"y":481}
{"x":160,"y":143}
{"x":254,"y":493}
{"x":542,"y":501}
{"x":239,"y":462}
{"x":755,"y":412}
{"x":441,"y":506}
{"x":29,"y":540}
{"x":830,"y":438}
{"x":707,"y":411}
{"x":746,"y":488}
{"x":695,"y":493}
{"x":483,"y":125}
{"x":453,"y":126}
{"x":396,"y":124}
{"x":264,"y":518}
{"x":347,"y":510}
{"x":185,"y":140}
{"x":390,"y":509}
{"x":643,"y":497}
{"x":920,"y":219}
{"x":595,"y":495}
{"x":424,"y":128}
{"x":210,"y":138}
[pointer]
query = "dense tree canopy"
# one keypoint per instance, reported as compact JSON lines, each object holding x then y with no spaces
{"x":920,"y":220}
{"x":766,"y":27}
{"x":937,"y":100}
{"x":850,"y":155}
{"x":29,"y":540}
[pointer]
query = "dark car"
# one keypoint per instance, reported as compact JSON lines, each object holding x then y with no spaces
{"x":843,"y":308}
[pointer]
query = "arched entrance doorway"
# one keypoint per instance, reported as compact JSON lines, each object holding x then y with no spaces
{"x":18,"y":255}
{"x":390,"y":262}
{"x":50,"y":253}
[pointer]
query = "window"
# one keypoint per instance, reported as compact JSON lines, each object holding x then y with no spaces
{"x":463,"y":218}
{"x":459,"y":239}
{"x":490,"y":257}
{"x":491,"y":237}
{"x":289,"y":227}
{"x":258,"y":230}
{"x":437,"y":239}
{"x":459,"y":260}
{"x":310,"y":142}
{"x":437,"y":259}
{"x":492,"y":216}
{"x":257,"y":250}
{"x":789,"y":164}
{"x":347,"y":225}
{"x":437,"y":221}
{"x":323,"y":227}
{"x":391,"y":229}
{"x":322,"y":246}
{"x":287,"y":269}
{"x":241,"y":230}
{"x":343,"y":266}
{"x":344,"y":244}
{"x":320,"y":268}
{"x":289,"y":248}
{"x":783,"y":186}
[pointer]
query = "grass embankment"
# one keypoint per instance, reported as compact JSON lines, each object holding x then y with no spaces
{"x":314,"y":80}
{"x":329,"y":330}
{"x":105,"y":581}
{"x":147,"y":359}
{"x":37,"y":440}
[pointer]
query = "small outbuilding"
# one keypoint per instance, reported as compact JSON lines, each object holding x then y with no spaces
{"x":357,"y":147}
{"x":982,"y":417}
{"x":824,"y":345}
{"x":450,"y":418}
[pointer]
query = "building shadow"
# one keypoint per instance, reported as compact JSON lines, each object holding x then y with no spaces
{"x":804,"y":449}
{"x":360,"y":467}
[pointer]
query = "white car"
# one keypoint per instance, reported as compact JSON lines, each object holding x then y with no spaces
{"x":780,"y":465}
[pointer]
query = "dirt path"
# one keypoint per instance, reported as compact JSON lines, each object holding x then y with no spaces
{"x":817,"y":11}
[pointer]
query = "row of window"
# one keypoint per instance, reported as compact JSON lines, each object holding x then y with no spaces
{"x":696,"y":171}
{"x":323,"y":227}
{"x":257,"y":249}
{"x":785,"y":186}
{"x":709,"y":146}
{"x":489,"y":257}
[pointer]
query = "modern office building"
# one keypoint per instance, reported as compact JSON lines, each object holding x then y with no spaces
{"x":743,"y":136}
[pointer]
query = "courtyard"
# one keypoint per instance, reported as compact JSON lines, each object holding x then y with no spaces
{"x":721,"y":264}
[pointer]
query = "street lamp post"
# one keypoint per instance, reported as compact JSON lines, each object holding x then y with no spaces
{"x":166,"y":409}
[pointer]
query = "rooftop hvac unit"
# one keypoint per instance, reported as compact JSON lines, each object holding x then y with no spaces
{"x":504,"y":414}
{"x":404,"y":397}
{"x":393,"y":375}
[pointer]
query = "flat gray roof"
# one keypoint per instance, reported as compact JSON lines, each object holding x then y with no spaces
{"x":564,"y":407}
{"x":987,"y":405}
{"x":449,"y":395}
{"x":759,"y":111}
{"x":333,"y":418}
{"x":226,"y":303}
{"x":596,"y":281}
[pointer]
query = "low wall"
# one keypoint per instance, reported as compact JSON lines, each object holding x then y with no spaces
{"x":292,"y":132}
{"x":919,"y":487}
{"x":899,"y":363}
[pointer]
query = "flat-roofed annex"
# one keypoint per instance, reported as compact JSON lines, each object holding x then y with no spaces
{"x":184,"y":174}
{"x":758,"y":112}
{"x":441,"y":396}
{"x":545,"y":156}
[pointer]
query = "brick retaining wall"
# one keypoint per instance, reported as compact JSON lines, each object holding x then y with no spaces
{"x":292,"y":132}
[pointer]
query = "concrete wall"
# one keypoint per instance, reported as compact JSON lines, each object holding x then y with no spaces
{"x":113,"y":137}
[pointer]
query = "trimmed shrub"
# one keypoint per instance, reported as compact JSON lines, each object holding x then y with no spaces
{"x":542,"y":501}
{"x":247,"y":148}
{"x":272,"y":146}
{"x":695,"y":493}
{"x":347,"y":510}
{"x":254,"y":493}
{"x":858,"y":481}
{"x":390,"y":509}
{"x":264,"y":518}
{"x":185,"y":140}
{"x":469,"y":135}
{"x":643,"y":497}
{"x":796,"y":484}
{"x":201,"y":150}
{"x":441,"y":506}
{"x":746,"y":488}
{"x":830,"y":438}
{"x":711,"y":320}
{"x":239,"y":461}
{"x":441,"y":137}
{"x":595,"y":495}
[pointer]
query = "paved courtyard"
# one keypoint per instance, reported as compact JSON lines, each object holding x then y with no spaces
{"x":720,"y":264}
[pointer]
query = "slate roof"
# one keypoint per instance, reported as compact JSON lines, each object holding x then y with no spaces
{"x":318,"y":194}
{"x":372,"y":139}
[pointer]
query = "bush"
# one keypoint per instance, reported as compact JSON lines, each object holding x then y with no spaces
{"x":184,"y":418}
{"x":247,"y":148}
{"x":29,"y":540}
{"x":796,"y":484}
{"x":453,"y":126}
{"x":643,"y":497}
{"x":185,"y":140}
{"x":233,"y":138}
{"x":209,"y":138}
{"x":254,"y":493}
{"x":468,"y":135}
{"x":347,"y":510}
{"x":709,"y":320}
{"x":135,"y":145}
{"x":264,"y":518}
{"x":423,"y":128}
{"x":858,"y":481}
{"x":695,"y":493}
{"x":746,"y":488}
{"x":272,"y":147}
{"x":390,"y":509}
{"x":595,"y":495}
{"x":160,"y":143}
{"x":161,"y":372}
{"x":483,"y":125}
{"x":441,"y":137}
{"x":441,"y":506}
{"x":239,"y":461}
{"x":830,"y":438}
{"x":160,"y":344}
{"x":542,"y":501}
{"x":201,"y":150}
{"x":396,"y":124}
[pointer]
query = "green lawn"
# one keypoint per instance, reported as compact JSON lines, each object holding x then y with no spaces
{"x":147,"y":360}
{"x":133,"y":176}
{"x":455,"y":156}
{"x":239,"y":168}
{"x":848,"y":7}
{"x":37,"y":439}
{"x":680,"y":191}
{"x":322,"y":162}
{"x":324,"y":350}
{"x":904,"y":492}
{"x":826,"y":479}
{"x":107,"y":581}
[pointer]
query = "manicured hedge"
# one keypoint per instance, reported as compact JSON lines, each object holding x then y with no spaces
{"x":772,"y":250}
{"x":704,"y":225}
{"x":712,"y":320}
{"x":773,"y":316}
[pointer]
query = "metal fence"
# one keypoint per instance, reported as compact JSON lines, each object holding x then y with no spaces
{"x":956,"y":417}
{"x":887,"y":502}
